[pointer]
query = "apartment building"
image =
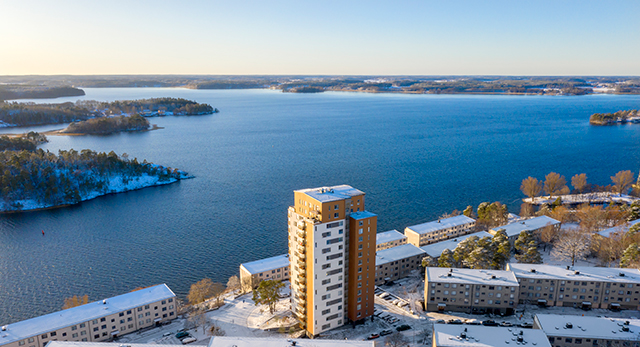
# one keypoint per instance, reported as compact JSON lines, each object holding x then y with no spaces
{"x":235,"y":341}
{"x":469,"y":290}
{"x":580,"y":286}
{"x":397,"y":262}
{"x":532,"y":225}
{"x":95,"y":322}
{"x":441,"y":229}
{"x":588,"y":331}
{"x":620,"y":229}
{"x":274,"y":268}
{"x":388,"y":239}
{"x":332,"y":247}
{"x":450,"y":335}
{"x":434,"y":250}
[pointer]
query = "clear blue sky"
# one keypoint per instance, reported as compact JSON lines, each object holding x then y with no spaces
{"x":558,"y":37}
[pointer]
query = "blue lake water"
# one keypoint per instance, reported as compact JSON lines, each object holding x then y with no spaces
{"x":416,"y":157}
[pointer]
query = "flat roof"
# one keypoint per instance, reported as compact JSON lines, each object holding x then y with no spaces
{"x":84,"y":313}
{"x":471,"y":276}
{"x":450,"y":335}
{"x":435,"y":249}
{"x":397,"y":253}
{"x":103,"y":344}
{"x":262,"y":265}
{"x":227,"y":341}
{"x":440,"y":224}
{"x":389,"y":236}
{"x":589,"y":327}
{"x":514,"y":229}
{"x":620,"y":228}
{"x":335,"y":193}
{"x":362,"y":215}
{"x":585,"y":273}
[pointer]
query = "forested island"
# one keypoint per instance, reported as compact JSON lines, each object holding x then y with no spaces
{"x":21,"y":91}
{"x":619,"y":117}
{"x":26,"y":114}
{"x":107,"y":125}
{"x":28,"y":141}
{"x":37,"y":179}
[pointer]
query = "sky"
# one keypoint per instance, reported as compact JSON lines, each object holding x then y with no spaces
{"x":347,"y":37}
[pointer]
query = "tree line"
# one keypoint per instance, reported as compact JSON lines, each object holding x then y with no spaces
{"x":556,"y":184}
{"x":611,"y":118}
{"x":65,"y":178}
{"x":27,"y":142}
{"x":108,"y":125}
{"x":177,"y":106}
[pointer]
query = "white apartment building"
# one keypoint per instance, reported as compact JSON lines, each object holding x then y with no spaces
{"x":579,"y":286}
{"x":388,"y":239}
{"x":397,"y":262}
{"x":450,"y":335}
{"x":434,"y":250}
{"x":441,"y":229}
{"x":273,"y":268}
{"x":588,"y":331}
{"x":96,"y":321}
{"x":532,"y":225}
{"x":469,"y":290}
{"x":332,"y":242}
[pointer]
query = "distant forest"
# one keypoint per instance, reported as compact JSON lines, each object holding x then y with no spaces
{"x":65,"y":178}
{"x":612,"y":118}
{"x":24,"y":114}
{"x":108,"y":125}
{"x":27,"y":142}
{"x":21,"y":91}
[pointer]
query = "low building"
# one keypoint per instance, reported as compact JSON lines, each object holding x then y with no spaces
{"x":451,"y":335}
{"x":96,"y":321}
{"x":469,"y":290}
{"x":434,"y":250}
{"x":441,"y":229}
{"x":589,"y":331}
{"x":274,"y":268}
{"x":397,"y":262}
{"x":580,"y":286}
{"x":532,"y":225}
{"x":227,"y":341}
{"x":621,"y":229}
{"x":390,"y":239}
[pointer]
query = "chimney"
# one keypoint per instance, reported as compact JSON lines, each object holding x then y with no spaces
{"x":4,"y":328}
{"x":104,"y":302}
{"x":568,"y":267}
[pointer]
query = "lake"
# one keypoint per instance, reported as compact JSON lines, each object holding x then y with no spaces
{"x":415,"y":156}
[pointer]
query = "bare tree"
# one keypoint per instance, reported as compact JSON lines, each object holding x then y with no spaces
{"x":573,"y":244}
{"x":246,"y":283}
{"x":531,"y":187}
{"x":215,"y":330}
{"x":622,"y":181}
{"x":591,"y":218}
{"x":554,"y":184}
{"x":526,"y":210}
{"x":547,"y":235}
{"x":203,"y":290}
{"x":396,"y":340}
{"x":75,"y":301}
{"x":579,"y":182}
{"x":233,"y":283}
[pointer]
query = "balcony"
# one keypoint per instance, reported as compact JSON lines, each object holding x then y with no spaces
{"x":301,"y":234}
{"x":302,"y":275}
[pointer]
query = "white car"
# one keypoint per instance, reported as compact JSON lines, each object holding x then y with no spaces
{"x":189,"y":340}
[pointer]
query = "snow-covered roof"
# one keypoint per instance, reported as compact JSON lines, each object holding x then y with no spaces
{"x":620,"y":228}
{"x":471,"y":276}
{"x":451,"y":335}
{"x":228,"y":341}
{"x":335,"y":193}
{"x":103,"y":344}
{"x":435,"y":249}
{"x":84,"y":313}
{"x":389,"y":236}
{"x":362,"y":215}
{"x":440,"y":224}
{"x":396,"y":253}
{"x":576,"y":273}
{"x":555,"y":325}
{"x":514,"y":229}
{"x":262,"y":265}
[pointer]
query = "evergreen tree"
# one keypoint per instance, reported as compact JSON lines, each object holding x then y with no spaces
{"x":464,"y":248}
{"x":527,"y":249}
{"x":501,"y":249}
{"x":468,"y":211}
{"x":446,"y":259}
{"x":631,"y":256}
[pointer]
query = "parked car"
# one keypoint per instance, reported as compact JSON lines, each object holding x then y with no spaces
{"x":490,"y":323}
{"x":473,"y":322}
{"x":385,"y":332}
{"x":506,"y":324}
{"x":181,"y":335}
{"x":454,"y":321}
{"x":373,"y":336}
{"x":403,"y":327}
{"x":189,"y":340}
{"x":167,"y":334}
{"x":440,"y":321}
{"x":526,"y":325}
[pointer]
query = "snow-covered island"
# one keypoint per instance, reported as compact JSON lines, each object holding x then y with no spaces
{"x":39,"y":180}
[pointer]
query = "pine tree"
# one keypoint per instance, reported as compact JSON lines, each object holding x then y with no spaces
{"x":631,"y":256}
{"x":501,"y":249}
{"x":446,"y":259}
{"x":464,"y":248}
{"x":527,"y":249}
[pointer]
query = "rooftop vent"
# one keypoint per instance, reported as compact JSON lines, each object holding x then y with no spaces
{"x":293,"y":343}
{"x":626,"y":322}
{"x":569,"y":326}
{"x":104,"y":302}
{"x":493,"y":277}
{"x":622,"y":274}
{"x":576,"y":272}
{"x":438,"y":221}
{"x":463,"y":335}
{"x":533,"y":270}
{"x":625,"y":328}
{"x":568,"y":267}
{"x":520,"y":339}
{"x":4,"y":328}
{"x":449,"y":274}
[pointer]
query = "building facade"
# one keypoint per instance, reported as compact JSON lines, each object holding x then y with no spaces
{"x":442,"y":229}
{"x":469,"y":290}
{"x":388,"y":239}
{"x":274,"y":268}
{"x":397,"y":262}
{"x":588,"y":331}
{"x":332,"y":246}
{"x":96,"y":321}
{"x":580,"y":286}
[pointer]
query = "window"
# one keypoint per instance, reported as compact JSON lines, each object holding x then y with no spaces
{"x":44,"y":336}
{"x":74,"y":328}
{"x":327,"y":234}
{"x":74,"y":335}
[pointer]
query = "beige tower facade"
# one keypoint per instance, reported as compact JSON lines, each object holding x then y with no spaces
{"x":332,"y":242}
